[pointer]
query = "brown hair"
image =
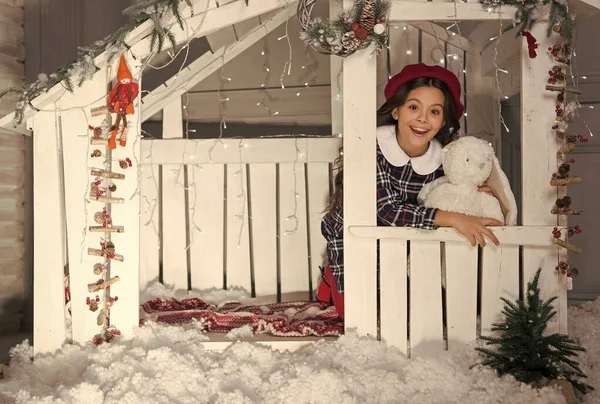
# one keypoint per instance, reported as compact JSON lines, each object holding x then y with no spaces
{"x":445,"y":135}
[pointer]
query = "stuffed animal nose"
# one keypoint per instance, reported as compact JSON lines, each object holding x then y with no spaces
{"x":481,"y":166}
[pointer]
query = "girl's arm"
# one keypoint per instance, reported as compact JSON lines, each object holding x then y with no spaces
{"x":392,"y":211}
{"x":473,"y":228}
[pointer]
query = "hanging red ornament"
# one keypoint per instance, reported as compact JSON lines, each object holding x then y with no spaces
{"x":531,"y":44}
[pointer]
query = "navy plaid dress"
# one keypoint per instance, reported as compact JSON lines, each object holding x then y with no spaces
{"x":399,"y":181}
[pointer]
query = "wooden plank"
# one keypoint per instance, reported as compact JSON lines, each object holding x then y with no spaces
{"x":360,"y":260}
{"x":149,"y":221}
{"x":445,"y":11}
{"x":336,"y":80}
{"x":223,"y":37}
{"x":237,"y":264}
{"x":317,"y":181}
{"x":209,"y":63}
{"x":174,"y":228}
{"x":393,"y":293}
{"x":293,"y":237}
{"x":49,"y":321}
{"x":207,"y":213}
{"x":538,"y":164}
{"x":426,"y":333}
{"x":11,"y":230}
{"x":226,"y":151}
{"x":507,"y":235}
{"x":499,"y":278}
{"x":263,"y":213}
{"x":461,"y":294}
{"x":125,"y":314}
{"x":76,"y":153}
{"x":449,"y":36}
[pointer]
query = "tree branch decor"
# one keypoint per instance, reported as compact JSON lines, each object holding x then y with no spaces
{"x":77,"y":72}
{"x":364,"y":24}
{"x":531,"y":11}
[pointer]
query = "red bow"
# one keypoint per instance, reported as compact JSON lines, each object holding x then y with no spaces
{"x":531,"y":43}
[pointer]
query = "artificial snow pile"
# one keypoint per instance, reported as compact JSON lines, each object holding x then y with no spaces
{"x":167,"y":364}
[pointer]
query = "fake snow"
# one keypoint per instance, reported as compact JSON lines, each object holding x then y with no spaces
{"x":167,"y":364}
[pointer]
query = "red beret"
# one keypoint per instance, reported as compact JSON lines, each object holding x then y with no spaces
{"x":415,"y":71}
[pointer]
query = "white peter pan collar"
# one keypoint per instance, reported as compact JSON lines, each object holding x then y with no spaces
{"x":423,"y":165}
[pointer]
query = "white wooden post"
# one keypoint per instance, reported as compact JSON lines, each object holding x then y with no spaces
{"x":360,"y":255}
{"x":48,"y":262}
{"x":125,"y":313}
{"x":539,"y":147}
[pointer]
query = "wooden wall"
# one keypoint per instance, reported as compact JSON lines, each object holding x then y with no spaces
{"x":12,"y":156}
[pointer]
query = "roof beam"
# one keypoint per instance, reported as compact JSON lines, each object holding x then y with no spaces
{"x":207,"y":64}
{"x":446,"y":11}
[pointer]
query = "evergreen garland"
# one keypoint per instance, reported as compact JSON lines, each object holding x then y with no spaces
{"x":83,"y":69}
{"x":523,"y":350}
{"x":529,"y":11}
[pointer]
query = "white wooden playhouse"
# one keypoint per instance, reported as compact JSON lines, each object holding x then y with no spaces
{"x":250,"y":209}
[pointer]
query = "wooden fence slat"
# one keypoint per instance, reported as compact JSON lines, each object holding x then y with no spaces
{"x":426,"y":334}
{"x":48,"y":289}
{"x":126,"y":312}
{"x":393,"y":293}
{"x":174,"y":256}
{"x":237,"y":264}
{"x":263,"y":211}
{"x":207,"y":212}
{"x":149,"y":222}
{"x":317,"y":178}
{"x":77,"y":150}
{"x":293,"y":243}
{"x":461,"y":293}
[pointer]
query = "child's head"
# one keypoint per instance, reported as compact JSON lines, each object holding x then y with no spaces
{"x":423,"y":102}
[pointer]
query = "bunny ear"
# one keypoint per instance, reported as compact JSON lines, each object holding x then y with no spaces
{"x":501,"y":190}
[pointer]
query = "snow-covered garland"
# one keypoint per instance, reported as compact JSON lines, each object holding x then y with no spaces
{"x":530,"y":11}
{"x":364,"y":24}
{"x":83,"y":69}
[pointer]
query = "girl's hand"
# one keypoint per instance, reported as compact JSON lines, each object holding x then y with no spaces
{"x":486,"y":189}
{"x":473,"y":228}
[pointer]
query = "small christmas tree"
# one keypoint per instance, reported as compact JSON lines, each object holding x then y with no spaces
{"x":522,"y":348}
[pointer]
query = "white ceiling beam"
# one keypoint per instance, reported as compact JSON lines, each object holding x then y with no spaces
{"x":446,"y":11}
{"x":206,"y":65}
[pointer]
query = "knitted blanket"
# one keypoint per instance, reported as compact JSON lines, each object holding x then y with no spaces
{"x":289,"y":319}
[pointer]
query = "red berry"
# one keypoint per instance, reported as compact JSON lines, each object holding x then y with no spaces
{"x":556,"y":267}
{"x":550,"y":48}
{"x":576,"y":226}
{"x":116,"y":298}
{"x":556,"y":229}
{"x":97,"y":299}
{"x":585,"y":140}
{"x":554,"y":174}
{"x":87,"y":301}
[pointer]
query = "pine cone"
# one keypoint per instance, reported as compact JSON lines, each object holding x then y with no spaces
{"x":574,"y":272}
{"x":367,"y":17}
{"x":123,"y":164}
{"x":349,"y":42}
{"x":99,"y":217}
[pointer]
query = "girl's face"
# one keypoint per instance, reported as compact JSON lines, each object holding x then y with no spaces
{"x":419,"y":119}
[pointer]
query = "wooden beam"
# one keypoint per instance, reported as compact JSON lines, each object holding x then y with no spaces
{"x":508,"y":235}
{"x":445,"y":35}
{"x":445,"y":11}
{"x":215,"y":19}
{"x":206,"y":65}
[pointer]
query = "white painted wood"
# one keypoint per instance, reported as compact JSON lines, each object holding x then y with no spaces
{"x":393,"y":293}
{"x":150,"y":243}
{"x":48,"y":264}
{"x":293,"y":237}
{"x":225,"y":151}
{"x":237,"y":264}
{"x":174,"y":257}
{"x":311,"y":107}
{"x":426,"y":333}
{"x":499,"y":278}
{"x":76,"y":152}
{"x":444,"y":11}
{"x":461,"y":294}
{"x":317,"y":181}
{"x":207,"y":204}
{"x":538,"y":195}
{"x":509,"y":235}
{"x":336,"y":78}
{"x":223,"y":37}
{"x":207,"y":64}
{"x":125,"y":313}
{"x":263,"y":212}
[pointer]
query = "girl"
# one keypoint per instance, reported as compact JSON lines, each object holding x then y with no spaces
{"x":420,"y":116}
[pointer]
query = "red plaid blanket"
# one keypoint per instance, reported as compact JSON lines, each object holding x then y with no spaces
{"x":289,"y":319}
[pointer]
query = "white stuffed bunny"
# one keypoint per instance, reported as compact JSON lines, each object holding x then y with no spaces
{"x":468,"y":163}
